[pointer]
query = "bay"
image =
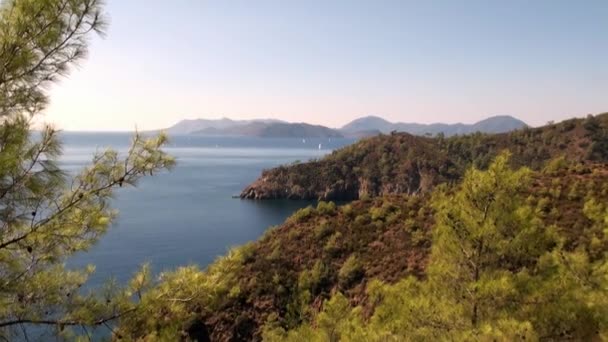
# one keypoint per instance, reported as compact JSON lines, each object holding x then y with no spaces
{"x":188,"y":216}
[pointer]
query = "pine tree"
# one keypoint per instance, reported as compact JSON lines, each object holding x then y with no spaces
{"x":495,"y":273}
{"x":47,"y":215}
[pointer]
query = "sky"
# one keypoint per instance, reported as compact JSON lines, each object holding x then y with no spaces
{"x":329,"y":62}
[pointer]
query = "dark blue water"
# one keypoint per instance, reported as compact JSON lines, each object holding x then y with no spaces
{"x":188,"y":215}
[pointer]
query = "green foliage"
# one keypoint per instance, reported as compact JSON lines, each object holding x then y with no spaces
{"x":386,"y":212}
{"x":546,"y":242}
{"x":332,"y":247}
{"x":312,"y":280}
{"x":40,"y":40}
{"x":495,"y":273}
{"x":326,"y":208}
{"x":363,"y":219}
{"x":599,"y":138}
{"x":46,"y":219}
{"x":337,"y":322}
{"x":377,"y":214}
{"x":347,"y":209}
{"x":180,"y":290}
{"x":310,"y":283}
{"x":556,"y":165}
{"x":350,"y":271}
{"x":323,"y":230}
{"x":45,"y":215}
{"x":303,"y":214}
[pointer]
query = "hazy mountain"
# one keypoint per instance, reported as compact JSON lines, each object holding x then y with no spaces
{"x":498,"y":124}
{"x":362,"y":127}
{"x":218,"y":125}
{"x":274,"y":130}
{"x":368,"y":123}
{"x":495,"y":124}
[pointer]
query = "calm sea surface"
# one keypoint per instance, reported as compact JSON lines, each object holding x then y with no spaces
{"x":188,"y":215}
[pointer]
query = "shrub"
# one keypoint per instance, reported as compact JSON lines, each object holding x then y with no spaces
{"x":248,"y":252}
{"x":323,"y":230}
{"x":312,"y":279}
{"x":347,"y":210}
{"x":276,"y":252}
{"x":377,"y":213}
{"x":543,"y":206}
{"x":350,"y":271}
{"x":393,"y":217}
{"x":326,"y":208}
{"x":362,"y":219}
{"x":419,"y":237}
{"x":332,"y":247}
{"x":556,"y":165}
{"x":294,"y":233}
{"x":303,"y":214}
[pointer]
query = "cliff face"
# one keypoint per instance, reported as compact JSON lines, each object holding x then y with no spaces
{"x":401,"y":163}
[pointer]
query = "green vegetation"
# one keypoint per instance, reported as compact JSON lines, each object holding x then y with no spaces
{"x":350,"y":271}
{"x":401,"y":163}
{"x":46,"y":216}
{"x":381,"y":267}
{"x":451,"y":239}
{"x":496,"y":272}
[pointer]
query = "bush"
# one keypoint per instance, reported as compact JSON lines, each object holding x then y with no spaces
{"x":332,"y":247}
{"x":377,"y":213}
{"x":362,"y":219}
{"x":248,"y":252}
{"x":350,"y":271}
{"x":323,"y":230}
{"x":294,"y":233}
{"x":347,"y":210}
{"x":556,"y":165}
{"x":303,"y":214}
{"x":276,"y":252}
{"x":419,"y":237}
{"x":326,"y":208}
{"x":311,"y":280}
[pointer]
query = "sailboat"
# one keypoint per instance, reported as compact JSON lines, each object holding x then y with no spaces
{"x":319,"y":146}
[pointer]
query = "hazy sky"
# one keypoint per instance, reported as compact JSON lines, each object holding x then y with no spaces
{"x":328,"y":62}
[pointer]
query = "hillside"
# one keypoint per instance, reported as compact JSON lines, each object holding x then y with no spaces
{"x":284,"y":277}
{"x":368,"y":123}
{"x":404,"y":163}
{"x":495,"y":124}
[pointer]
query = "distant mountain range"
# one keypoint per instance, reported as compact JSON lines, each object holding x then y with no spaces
{"x":495,"y":124}
{"x":200,"y":126}
{"x":362,"y":127}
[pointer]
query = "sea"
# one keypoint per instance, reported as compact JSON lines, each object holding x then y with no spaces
{"x":188,"y":215}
